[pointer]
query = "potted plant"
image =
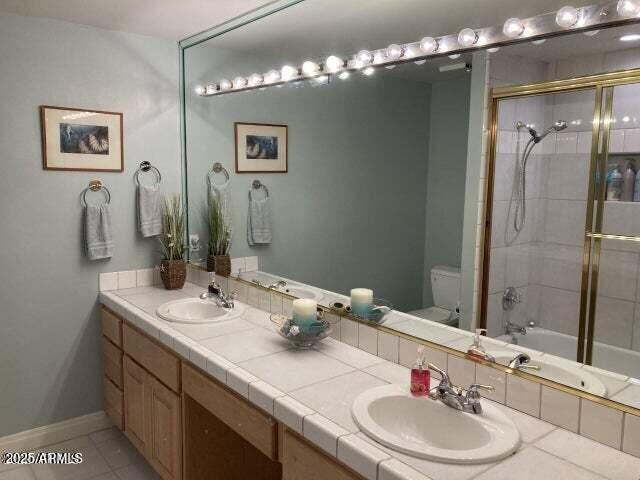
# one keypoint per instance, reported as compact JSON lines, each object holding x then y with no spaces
{"x":218,"y":259}
{"x":173,"y":268}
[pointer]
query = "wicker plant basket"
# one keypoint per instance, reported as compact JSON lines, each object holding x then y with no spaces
{"x":173,"y":274}
{"x":211,"y":263}
{"x":222,"y":265}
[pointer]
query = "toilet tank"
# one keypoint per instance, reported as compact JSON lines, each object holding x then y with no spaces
{"x":445,"y":286}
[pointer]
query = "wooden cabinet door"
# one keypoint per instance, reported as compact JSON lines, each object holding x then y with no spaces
{"x":166,"y":431}
{"x":137,"y":395}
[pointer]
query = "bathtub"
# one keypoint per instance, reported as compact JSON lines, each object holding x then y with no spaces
{"x":607,"y":357}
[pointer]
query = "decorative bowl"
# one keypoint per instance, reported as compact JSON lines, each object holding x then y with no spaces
{"x":301,"y":337}
{"x":377,"y":313}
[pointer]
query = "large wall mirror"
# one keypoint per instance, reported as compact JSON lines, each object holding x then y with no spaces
{"x":381,"y":180}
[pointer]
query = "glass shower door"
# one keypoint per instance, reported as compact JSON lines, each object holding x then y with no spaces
{"x":613,"y":338}
{"x":539,"y":203}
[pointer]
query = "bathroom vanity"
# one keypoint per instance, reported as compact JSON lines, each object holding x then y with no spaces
{"x":233,"y":400}
{"x":189,"y":425}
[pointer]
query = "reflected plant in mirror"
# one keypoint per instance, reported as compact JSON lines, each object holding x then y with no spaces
{"x":219,"y":235}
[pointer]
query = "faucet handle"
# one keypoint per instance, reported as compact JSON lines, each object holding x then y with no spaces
{"x":473,"y":390}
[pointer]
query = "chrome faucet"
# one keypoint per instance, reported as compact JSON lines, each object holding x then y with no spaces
{"x":452,"y":396}
{"x":215,"y":292}
{"x":521,"y":362}
{"x":278,"y":284}
{"x":511,"y":328}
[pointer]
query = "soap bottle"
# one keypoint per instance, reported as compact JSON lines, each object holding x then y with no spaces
{"x":420,"y":376}
{"x":614,"y":185}
{"x":628,"y":182}
{"x":476,"y":351}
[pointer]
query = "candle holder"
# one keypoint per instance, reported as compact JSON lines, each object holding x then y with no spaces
{"x":301,"y":336}
{"x":377,"y":312}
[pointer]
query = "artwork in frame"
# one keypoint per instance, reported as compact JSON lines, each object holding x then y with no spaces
{"x":261,"y":148}
{"x":82,"y":140}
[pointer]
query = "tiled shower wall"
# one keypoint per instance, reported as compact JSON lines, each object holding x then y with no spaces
{"x":545,"y":262}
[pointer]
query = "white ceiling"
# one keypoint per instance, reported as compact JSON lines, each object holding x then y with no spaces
{"x":315,"y":23}
{"x":172,"y":19}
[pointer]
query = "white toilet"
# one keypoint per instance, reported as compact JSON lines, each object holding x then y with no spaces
{"x":445,"y":286}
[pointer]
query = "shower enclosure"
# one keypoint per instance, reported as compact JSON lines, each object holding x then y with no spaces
{"x":562,"y":241}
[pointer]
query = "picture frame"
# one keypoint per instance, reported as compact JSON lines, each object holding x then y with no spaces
{"x":78,"y":139}
{"x":261,"y":148}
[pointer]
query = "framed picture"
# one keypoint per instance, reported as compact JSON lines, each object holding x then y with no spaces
{"x":78,"y":139}
{"x":261,"y":148}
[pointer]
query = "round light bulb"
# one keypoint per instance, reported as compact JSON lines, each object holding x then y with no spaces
{"x":364,"y":57}
{"x":628,"y":8}
{"x":344,"y":75}
{"x":467,"y":37}
{"x":379,"y":57}
{"x":567,"y":16}
{"x":333,"y":63}
{"x":393,"y":51}
{"x":310,"y":68}
{"x":225,"y":84}
{"x":369,"y":71}
{"x":411,"y":51}
{"x":272,"y":76}
{"x":239,"y":82}
{"x":200,"y":90}
{"x":513,"y":27}
{"x":429,"y":45}
{"x":256,"y":79}
{"x":288,"y":72}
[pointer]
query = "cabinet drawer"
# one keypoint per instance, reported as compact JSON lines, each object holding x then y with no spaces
{"x":247,"y":421}
{"x":156,"y":359}
{"x":113,"y":402}
{"x":111,"y":326}
{"x":112,"y":362}
{"x":300,"y":461}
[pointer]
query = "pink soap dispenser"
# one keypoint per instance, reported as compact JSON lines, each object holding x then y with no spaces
{"x":420,"y":376}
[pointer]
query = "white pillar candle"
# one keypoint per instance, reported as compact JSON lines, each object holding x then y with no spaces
{"x":361,"y":296}
{"x":304,"y":307}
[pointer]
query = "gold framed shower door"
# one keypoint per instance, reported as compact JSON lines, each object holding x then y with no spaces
{"x":603,"y":86}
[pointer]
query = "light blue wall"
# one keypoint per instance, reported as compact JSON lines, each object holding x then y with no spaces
{"x":50,"y":350}
{"x":449,"y":126}
{"x":351,"y":210}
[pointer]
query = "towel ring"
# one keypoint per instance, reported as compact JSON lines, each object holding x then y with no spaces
{"x":217,"y":168}
{"x":257,"y":185}
{"x":96,"y":186}
{"x":145,"y":167}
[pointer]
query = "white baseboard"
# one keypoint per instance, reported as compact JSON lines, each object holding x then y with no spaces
{"x":54,"y":433}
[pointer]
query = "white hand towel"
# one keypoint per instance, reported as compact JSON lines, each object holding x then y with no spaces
{"x":259,"y":222}
{"x":97,"y":230}
{"x":149,"y":210}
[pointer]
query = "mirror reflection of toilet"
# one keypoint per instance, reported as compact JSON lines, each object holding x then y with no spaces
{"x":445,"y":287}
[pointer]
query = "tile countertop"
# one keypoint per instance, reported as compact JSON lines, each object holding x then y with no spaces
{"x":311,"y":392}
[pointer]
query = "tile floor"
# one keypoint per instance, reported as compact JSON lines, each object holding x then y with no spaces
{"x":107,"y":455}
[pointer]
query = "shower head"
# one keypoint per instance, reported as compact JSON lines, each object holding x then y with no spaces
{"x":558,"y":126}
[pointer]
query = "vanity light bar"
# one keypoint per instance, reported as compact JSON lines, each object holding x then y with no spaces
{"x":565,"y":21}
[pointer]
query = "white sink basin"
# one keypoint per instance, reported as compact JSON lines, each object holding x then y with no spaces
{"x":426,"y":428}
{"x":301,"y":292}
{"x":195,"y":310}
{"x":567,"y":374}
